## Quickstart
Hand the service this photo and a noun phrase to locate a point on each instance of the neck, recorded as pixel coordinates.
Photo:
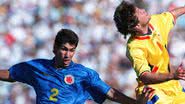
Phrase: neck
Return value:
(58, 65)
(143, 30)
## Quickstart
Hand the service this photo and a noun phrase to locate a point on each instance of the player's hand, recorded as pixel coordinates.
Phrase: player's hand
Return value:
(147, 93)
(179, 73)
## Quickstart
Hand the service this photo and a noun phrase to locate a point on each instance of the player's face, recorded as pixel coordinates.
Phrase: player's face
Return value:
(64, 54)
(142, 16)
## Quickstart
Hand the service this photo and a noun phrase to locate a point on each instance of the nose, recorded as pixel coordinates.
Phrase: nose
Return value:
(67, 54)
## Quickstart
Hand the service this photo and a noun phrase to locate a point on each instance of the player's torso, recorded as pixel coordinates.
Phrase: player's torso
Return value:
(64, 86)
(155, 50)
(157, 54)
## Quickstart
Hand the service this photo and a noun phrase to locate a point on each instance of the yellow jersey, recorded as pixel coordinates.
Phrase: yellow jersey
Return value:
(148, 52)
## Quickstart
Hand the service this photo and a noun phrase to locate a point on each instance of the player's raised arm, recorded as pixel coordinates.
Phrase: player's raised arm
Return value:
(178, 11)
(4, 75)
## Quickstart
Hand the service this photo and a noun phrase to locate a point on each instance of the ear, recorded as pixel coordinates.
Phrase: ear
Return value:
(137, 27)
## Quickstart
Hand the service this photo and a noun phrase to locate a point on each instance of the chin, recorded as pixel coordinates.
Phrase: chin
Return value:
(66, 64)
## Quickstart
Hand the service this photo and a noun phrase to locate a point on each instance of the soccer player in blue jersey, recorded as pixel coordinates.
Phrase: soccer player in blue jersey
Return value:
(62, 81)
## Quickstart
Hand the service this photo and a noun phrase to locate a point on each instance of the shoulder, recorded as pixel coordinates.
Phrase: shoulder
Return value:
(164, 14)
(82, 68)
(39, 61)
(137, 42)
(33, 62)
(158, 18)
(137, 47)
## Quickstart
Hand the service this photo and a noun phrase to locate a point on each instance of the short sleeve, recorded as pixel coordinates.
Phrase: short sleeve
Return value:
(168, 20)
(21, 72)
(163, 23)
(139, 61)
(98, 88)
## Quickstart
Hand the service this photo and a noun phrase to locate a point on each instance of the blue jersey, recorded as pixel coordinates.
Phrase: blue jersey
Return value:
(72, 85)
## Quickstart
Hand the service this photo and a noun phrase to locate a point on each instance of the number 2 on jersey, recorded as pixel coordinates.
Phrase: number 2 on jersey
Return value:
(54, 94)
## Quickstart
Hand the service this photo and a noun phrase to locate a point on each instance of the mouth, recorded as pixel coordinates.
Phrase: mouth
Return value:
(67, 60)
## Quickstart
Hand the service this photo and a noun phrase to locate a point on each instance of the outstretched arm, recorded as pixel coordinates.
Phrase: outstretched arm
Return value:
(4, 76)
(119, 97)
(178, 11)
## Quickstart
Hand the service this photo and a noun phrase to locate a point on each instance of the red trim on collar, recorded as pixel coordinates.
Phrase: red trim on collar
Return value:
(151, 27)
(145, 37)
(142, 37)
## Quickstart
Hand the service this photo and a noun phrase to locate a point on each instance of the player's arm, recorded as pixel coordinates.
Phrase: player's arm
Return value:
(178, 11)
(119, 97)
(143, 70)
(5, 76)
(153, 78)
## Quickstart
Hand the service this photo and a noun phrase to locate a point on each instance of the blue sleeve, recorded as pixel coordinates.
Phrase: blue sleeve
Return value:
(98, 88)
(21, 72)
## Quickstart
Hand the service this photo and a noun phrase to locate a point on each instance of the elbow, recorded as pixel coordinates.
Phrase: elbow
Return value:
(145, 81)
(144, 78)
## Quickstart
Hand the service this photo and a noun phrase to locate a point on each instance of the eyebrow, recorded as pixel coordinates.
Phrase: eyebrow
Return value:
(68, 48)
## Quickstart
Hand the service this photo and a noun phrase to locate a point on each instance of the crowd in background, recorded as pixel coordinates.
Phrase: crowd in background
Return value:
(28, 29)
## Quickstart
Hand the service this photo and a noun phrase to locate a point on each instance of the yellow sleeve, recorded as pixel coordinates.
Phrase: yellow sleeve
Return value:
(138, 58)
(163, 22)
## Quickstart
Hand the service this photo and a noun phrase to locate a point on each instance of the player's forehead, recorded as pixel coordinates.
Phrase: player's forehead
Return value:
(68, 46)
(138, 11)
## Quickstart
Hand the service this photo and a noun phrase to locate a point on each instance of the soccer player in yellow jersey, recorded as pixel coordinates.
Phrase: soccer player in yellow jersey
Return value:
(147, 50)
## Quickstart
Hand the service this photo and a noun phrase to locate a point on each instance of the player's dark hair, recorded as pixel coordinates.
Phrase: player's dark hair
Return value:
(66, 36)
(125, 19)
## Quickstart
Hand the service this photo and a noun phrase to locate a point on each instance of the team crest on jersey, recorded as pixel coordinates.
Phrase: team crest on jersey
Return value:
(69, 79)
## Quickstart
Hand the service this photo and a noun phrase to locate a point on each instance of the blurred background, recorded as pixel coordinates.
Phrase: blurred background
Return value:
(28, 28)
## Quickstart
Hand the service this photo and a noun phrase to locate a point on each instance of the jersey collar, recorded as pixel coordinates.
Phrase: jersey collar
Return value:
(147, 35)
(70, 65)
